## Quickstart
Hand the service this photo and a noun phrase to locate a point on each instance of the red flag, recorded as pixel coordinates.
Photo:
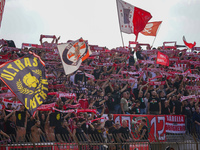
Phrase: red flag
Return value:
(132, 19)
(162, 59)
(2, 4)
(190, 45)
(151, 28)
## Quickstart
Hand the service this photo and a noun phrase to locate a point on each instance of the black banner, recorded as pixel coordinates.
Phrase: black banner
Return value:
(26, 78)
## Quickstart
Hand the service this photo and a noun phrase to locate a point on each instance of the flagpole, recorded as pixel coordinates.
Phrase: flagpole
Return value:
(155, 36)
(119, 24)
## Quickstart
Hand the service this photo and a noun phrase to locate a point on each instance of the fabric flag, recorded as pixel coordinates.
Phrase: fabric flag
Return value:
(190, 45)
(151, 28)
(25, 77)
(73, 54)
(162, 59)
(2, 4)
(132, 19)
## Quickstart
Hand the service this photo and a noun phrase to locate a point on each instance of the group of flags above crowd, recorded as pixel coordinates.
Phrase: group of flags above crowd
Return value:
(26, 78)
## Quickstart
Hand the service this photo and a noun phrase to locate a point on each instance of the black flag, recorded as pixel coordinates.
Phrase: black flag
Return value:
(26, 78)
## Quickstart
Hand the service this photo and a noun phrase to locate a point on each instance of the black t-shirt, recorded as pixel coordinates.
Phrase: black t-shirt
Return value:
(146, 135)
(55, 119)
(131, 61)
(171, 105)
(142, 103)
(192, 107)
(110, 103)
(135, 110)
(20, 118)
(154, 104)
(117, 97)
(109, 124)
(187, 110)
(80, 76)
(165, 110)
(162, 100)
(178, 105)
(125, 132)
(97, 73)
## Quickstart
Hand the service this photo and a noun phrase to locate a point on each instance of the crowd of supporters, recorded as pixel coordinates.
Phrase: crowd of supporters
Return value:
(118, 81)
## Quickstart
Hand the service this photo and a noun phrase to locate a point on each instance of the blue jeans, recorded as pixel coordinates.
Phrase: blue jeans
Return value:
(142, 110)
(117, 108)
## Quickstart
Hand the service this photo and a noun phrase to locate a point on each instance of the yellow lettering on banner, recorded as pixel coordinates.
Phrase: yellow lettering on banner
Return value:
(19, 64)
(38, 99)
(6, 76)
(11, 67)
(44, 88)
(33, 103)
(44, 81)
(26, 104)
(27, 62)
(10, 73)
(35, 64)
(43, 95)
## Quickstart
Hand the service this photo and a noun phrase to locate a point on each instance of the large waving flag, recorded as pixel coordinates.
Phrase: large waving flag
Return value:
(151, 28)
(132, 19)
(2, 4)
(162, 59)
(189, 45)
(25, 77)
(72, 54)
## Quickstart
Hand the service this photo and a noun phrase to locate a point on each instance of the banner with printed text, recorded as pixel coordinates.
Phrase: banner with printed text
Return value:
(175, 124)
(158, 125)
(26, 78)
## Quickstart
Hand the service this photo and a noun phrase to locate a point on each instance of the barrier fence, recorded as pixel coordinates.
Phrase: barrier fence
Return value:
(103, 142)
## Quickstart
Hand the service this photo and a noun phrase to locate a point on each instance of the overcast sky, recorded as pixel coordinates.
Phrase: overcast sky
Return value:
(96, 21)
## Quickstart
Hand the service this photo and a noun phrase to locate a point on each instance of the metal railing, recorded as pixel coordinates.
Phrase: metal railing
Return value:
(102, 142)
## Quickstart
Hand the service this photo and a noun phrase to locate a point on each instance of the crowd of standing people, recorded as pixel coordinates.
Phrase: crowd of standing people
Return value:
(118, 81)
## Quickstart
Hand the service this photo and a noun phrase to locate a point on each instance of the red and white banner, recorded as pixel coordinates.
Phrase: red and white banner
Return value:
(15, 104)
(157, 83)
(162, 59)
(175, 124)
(187, 97)
(89, 76)
(132, 19)
(2, 4)
(155, 125)
(158, 125)
(192, 87)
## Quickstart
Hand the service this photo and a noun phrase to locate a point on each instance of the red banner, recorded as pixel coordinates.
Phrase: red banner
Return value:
(157, 125)
(162, 59)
